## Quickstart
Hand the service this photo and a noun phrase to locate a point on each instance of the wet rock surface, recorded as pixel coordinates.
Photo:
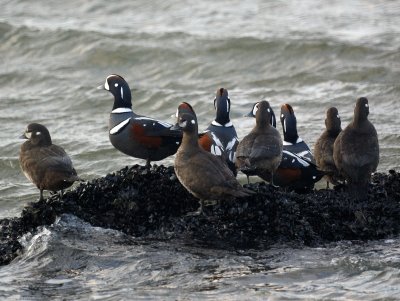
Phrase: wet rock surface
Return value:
(152, 203)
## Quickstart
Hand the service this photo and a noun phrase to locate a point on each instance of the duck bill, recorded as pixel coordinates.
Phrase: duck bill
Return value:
(101, 87)
(250, 114)
(175, 127)
(23, 136)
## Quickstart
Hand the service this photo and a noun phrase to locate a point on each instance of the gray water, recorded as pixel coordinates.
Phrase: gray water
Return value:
(311, 54)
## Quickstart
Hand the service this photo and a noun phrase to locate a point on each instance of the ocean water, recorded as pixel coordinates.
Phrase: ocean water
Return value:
(310, 54)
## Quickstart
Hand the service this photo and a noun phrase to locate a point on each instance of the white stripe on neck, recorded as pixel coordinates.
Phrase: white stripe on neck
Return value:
(121, 110)
(224, 125)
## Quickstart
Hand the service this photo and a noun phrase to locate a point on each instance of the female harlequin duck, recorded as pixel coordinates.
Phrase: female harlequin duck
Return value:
(204, 175)
(356, 151)
(294, 172)
(45, 164)
(253, 111)
(220, 137)
(323, 148)
(291, 140)
(136, 135)
(260, 152)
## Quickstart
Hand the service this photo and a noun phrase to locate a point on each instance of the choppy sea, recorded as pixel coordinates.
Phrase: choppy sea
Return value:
(311, 54)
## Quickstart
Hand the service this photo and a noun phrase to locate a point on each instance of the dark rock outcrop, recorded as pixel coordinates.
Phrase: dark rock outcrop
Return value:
(152, 203)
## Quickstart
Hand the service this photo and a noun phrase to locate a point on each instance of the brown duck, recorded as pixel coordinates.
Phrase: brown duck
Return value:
(204, 175)
(260, 152)
(356, 151)
(323, 148)
(46, 165)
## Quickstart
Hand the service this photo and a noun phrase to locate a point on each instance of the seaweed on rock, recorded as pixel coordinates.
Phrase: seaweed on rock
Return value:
(152, 203)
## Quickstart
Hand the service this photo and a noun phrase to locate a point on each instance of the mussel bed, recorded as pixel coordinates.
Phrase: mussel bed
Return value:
(151, 203)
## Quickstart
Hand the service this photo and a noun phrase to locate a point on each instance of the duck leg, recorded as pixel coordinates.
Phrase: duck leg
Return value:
(148, 165)
(41, 195)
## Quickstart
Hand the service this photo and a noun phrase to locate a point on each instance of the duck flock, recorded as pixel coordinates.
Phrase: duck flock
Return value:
(207, 163)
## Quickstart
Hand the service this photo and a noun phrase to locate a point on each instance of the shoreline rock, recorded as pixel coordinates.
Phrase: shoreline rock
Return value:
(152, 203)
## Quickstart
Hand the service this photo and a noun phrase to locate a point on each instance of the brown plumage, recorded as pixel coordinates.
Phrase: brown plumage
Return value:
(356, 151)
(260, 151)
(46, 165)
(204, 175)
(323, 148)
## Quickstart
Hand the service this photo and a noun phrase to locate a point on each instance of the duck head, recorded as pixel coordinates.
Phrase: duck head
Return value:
(119, 88)
(37, 134)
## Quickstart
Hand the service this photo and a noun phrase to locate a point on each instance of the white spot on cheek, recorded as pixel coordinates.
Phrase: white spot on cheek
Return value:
(193, 122)
(366, 105)
(116, 85)
(38, 133)
(282, 115)
(28, 135)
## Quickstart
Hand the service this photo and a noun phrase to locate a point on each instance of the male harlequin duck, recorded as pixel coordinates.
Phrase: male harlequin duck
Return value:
(45, 164)
(220, 137)
(204, 175)
(291, 140)
(260, 152)
(136, 135)
(323, 148)
(294, 173)
(356, 151)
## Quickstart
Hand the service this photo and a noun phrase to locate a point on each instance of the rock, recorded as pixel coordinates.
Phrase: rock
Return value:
(152, 203)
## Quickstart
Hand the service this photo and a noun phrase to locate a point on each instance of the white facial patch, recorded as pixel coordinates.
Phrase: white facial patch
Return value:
(255, 109)
(338, 116)
(268, 110)
(176, 114)
(122, 92)
(284, 125)
(106, 86)
(183, 124)
(227, 106)
(38, 133)
(193, 121)
(28, 135)
(366, 105)
(116, 85)
(282, 115)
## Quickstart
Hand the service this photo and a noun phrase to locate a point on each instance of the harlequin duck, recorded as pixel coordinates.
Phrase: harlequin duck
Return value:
(221, 134)
(260, 152)
(204, 175)
(136, 135)
(45, 164)
(356, 150)
(253, 111)
(323, 148)
(294, 173)
(291, 140)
